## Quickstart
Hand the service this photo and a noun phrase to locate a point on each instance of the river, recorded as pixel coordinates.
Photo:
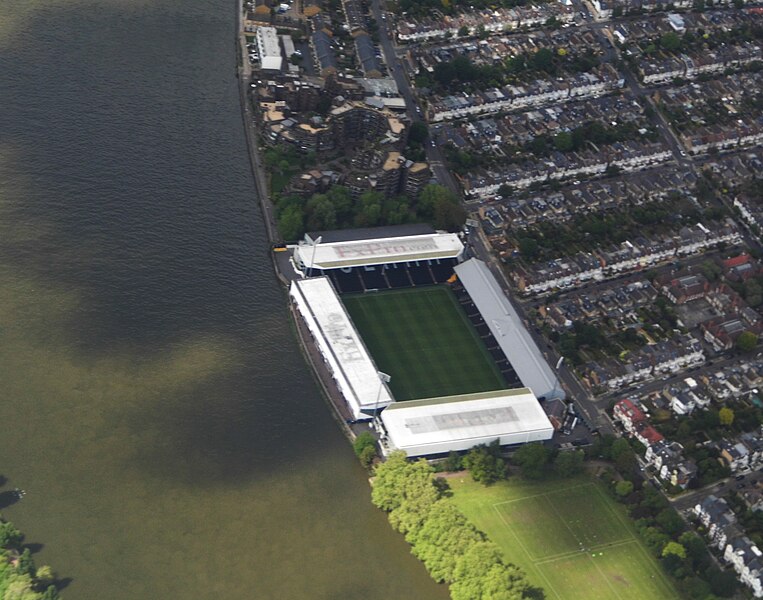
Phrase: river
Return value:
(153, 401)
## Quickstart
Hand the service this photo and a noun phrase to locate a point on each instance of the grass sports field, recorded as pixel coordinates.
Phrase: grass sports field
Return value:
(423, 339)
(571, 539)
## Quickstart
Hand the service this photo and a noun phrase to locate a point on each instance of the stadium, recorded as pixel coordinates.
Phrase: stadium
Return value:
(420, 338)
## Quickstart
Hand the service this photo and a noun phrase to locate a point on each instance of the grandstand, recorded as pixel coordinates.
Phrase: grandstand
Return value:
(362, 260)
(436, 426)
(344, 353)
(507, 329)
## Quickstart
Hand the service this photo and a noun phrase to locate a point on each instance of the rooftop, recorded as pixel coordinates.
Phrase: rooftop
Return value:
(466, 419)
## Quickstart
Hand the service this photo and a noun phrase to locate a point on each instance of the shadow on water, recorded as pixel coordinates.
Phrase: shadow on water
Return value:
(8, 498)
(154, 232)
(34, 547)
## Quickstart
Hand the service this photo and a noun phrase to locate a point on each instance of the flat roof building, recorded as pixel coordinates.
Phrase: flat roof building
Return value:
(348, 254)
(436, 426)
(508, 329)
(269, 49)
(343, 351)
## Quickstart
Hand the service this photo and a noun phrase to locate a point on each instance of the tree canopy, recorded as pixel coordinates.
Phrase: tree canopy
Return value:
(485, 464)
(532, 460)
(450, 547)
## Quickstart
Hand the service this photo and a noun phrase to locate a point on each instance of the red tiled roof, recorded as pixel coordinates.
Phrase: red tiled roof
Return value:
(730, 263)
(650, 434)
(627, 407)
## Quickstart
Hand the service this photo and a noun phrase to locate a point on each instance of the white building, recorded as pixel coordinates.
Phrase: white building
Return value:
(269, 49)
(343, 351)
(435, 426)
(346, 254)
(508, 329)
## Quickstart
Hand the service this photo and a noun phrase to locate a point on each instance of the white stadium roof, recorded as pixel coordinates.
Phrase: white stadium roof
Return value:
(507, 329)
(410, 248)
(439, 425)
(353, 368)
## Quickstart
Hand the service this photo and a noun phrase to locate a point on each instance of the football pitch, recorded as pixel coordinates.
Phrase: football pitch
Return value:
(423, 339)
(570, 538)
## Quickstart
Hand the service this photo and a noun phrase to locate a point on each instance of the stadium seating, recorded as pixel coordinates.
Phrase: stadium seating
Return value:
(373, 280)
(398, 277)
(346, 283)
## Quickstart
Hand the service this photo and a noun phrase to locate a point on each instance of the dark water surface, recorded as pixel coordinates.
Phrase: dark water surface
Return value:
(153, 402)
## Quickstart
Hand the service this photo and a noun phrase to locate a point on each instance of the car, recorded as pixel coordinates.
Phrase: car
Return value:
(741, 485)
(739, 477)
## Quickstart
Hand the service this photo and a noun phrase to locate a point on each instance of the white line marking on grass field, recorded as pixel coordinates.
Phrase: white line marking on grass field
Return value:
(642, 550)
(573, 553)
(604, 577)
(574, 487)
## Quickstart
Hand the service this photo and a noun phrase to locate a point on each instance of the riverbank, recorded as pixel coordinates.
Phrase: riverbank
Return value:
(310, 352)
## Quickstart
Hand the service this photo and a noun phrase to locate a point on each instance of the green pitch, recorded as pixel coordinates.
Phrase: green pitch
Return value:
(423, 339)
(570, 538)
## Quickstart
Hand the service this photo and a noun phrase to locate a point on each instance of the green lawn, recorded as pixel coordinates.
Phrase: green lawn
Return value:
(423, 339)
(571, 538)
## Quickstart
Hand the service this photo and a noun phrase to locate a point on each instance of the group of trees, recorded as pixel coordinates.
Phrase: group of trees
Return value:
(450, 547)
(592, 132)
(460, 71)
(549, 240)
(20, 578)
(425, 8)
(336, 209)
(536, 461)
(682, 554)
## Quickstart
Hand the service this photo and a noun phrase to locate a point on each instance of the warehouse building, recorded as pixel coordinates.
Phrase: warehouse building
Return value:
(435, 426)
(343, 351)
(269, 49)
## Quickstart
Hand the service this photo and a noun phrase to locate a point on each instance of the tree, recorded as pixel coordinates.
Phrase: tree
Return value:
(675, 549)
(505, 190)
(722, 583)
(563, 141)
(532, 460)
(438, 205)
(543, 60)
(670, 41)
(484, 463)
(444, 538)
(623, 488)
(10, 537)
(482, 574)
(365, 448)
(454, 462)
(291, 223)
(623, 455)
(418, 132)
(670, 521)
(51, 593)
(726, 416)
(569, 464)
(747, 341)
(25, 564)
(322, 214)
(406, 490)
(463, 31)
(44, 577)
(367, 456)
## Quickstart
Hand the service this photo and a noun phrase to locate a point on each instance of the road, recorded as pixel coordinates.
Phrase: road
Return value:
(434, 154)
(685, 501)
